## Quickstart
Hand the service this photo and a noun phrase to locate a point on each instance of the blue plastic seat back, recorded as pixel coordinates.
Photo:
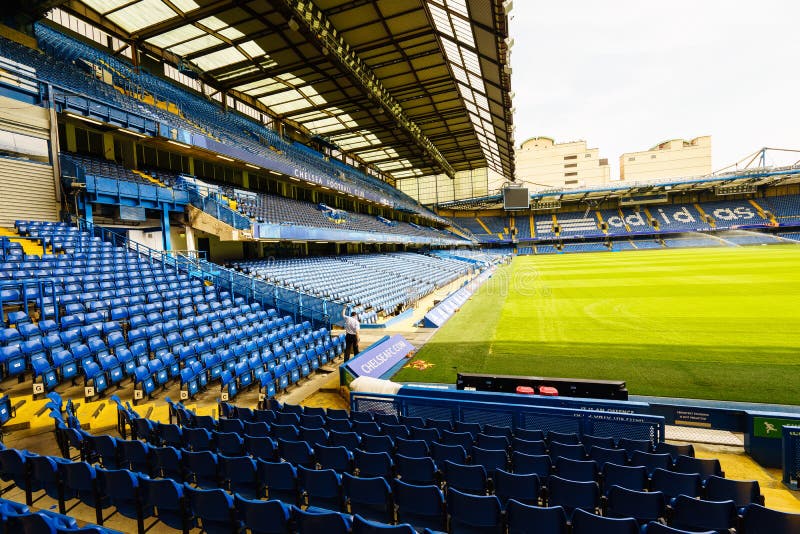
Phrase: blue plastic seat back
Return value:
(525, 488)
(644, 506)
(280, 480)
(442, 453)
(465, 478)
(370, 497)
(201, 467)
(166, 496)
(421, 471)
(520, 517)
(316, 520)
(362, 525)
(373, 464)
(214, 508)
(760, 520)
(422, 506)
(630, 477)
(572, 494)
(263, 517)
(587, 523)
(474, 514)
(672, 484)
(321, 487)
(696, 514)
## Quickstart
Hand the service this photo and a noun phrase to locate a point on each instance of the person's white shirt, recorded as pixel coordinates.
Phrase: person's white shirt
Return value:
(351, 325)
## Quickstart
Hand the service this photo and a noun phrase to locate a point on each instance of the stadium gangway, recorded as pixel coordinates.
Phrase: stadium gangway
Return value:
(593, 422)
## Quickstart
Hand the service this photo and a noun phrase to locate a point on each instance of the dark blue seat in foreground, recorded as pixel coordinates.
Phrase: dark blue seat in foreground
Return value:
(474, 514)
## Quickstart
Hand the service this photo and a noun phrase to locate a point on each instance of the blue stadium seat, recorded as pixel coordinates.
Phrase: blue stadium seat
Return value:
(364, 526)
(262, 517)
(571, 494)
(373, 464)
(538, 464)
(466, 478)
(587, 523)
(416, 470)
(629, 477)
(316, 520)
(642, 506)
(421, 506)
(473, 514)
(760, 520)
(238, 475)
(520, 517)
(213, 507)
(370, 497)
(695, 514)
(673, 484)
(320, 488)
(200, 468)
(524, 488)
(280, 480)
(583, 470)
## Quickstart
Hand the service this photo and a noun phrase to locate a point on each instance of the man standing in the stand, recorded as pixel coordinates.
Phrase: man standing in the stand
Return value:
(351, 327)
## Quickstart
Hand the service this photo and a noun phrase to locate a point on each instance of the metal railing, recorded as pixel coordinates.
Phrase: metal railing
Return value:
(568, 420)
(211, 204)
(23, 292)
(791, 456)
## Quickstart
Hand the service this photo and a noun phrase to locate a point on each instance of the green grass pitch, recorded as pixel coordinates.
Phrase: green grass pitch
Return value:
(697, 323)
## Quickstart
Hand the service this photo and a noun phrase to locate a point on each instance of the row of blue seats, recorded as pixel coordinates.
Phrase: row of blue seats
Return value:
(447, 432)
(104, 339)
(445, 464)
(139, 497)
(296, 484)
(423, 442)
(18, 518)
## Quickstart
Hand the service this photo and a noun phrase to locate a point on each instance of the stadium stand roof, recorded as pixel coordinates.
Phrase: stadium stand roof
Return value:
(743, 178)
(411, 88)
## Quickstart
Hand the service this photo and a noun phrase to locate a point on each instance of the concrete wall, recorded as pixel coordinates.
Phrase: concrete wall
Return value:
(543, 164)
(676, 158)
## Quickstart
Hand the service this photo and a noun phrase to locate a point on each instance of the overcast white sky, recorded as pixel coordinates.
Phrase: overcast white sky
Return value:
(627, 74)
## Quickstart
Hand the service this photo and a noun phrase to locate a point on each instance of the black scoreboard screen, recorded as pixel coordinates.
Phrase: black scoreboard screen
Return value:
(516, 198)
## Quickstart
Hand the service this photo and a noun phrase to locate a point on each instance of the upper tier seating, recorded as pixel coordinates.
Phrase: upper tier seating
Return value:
(63, 65)
(110, 169)
(273, 209)
(380, 281)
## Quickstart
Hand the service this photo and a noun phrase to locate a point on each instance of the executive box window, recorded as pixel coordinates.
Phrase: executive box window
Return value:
(23, 146)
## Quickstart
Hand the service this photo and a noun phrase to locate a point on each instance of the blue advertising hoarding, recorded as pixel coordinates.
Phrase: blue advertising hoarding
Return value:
(381, 358)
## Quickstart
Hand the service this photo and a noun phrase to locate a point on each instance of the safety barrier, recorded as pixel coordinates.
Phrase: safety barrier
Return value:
(592, 422)
(791, 456)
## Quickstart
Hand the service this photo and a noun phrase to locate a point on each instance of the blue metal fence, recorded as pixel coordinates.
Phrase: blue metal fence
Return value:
(592, 422)
(215, 207)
